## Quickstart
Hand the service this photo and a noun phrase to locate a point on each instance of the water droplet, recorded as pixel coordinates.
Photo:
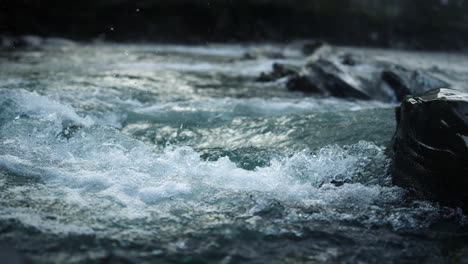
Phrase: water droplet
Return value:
(111, 28)
(126, 52)
(138, 9)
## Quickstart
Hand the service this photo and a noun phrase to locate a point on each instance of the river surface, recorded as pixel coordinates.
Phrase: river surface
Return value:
(114, 153)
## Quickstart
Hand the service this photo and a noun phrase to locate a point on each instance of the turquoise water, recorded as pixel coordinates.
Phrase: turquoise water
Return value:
(174, 154)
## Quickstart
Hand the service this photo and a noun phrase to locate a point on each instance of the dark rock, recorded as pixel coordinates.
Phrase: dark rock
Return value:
(404, 81)
(284, 70)
(335, 81)
(325, 77)
(279, 71)
(302, 83)
(330, 72)
(249, 56)
(430, 147)
(339, 183)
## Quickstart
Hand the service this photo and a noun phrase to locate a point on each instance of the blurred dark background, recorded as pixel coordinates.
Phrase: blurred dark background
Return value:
(415, 24)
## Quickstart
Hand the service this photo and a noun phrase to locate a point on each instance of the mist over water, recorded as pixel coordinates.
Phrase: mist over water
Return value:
(128, 152)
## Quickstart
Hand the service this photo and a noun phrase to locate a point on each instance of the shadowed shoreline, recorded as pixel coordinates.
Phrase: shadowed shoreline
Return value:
(432, 24)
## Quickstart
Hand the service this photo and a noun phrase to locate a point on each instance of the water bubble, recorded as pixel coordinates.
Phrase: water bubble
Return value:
(111, 28)
(126, 52)
(138, 9)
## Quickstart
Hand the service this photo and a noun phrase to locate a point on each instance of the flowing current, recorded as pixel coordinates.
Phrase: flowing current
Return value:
(173, 154)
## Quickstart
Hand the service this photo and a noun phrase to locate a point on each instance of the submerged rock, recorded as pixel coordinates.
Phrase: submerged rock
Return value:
(430, 147)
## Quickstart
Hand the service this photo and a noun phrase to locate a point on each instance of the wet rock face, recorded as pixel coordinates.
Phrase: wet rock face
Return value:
(430, 147)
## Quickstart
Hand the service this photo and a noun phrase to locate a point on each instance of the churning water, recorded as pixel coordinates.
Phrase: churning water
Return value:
(173, 154)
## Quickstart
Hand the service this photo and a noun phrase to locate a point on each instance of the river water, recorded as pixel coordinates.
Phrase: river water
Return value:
(116, 153)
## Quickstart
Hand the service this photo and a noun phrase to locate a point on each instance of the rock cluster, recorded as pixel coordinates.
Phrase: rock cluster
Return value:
(330, 73)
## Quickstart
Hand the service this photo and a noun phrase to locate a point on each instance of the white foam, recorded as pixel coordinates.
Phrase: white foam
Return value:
(33, 104)
(103, 161)
(109, 164)
(98, 167)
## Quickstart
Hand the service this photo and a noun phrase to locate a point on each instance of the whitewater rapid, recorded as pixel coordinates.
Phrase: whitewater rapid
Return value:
(140, 150)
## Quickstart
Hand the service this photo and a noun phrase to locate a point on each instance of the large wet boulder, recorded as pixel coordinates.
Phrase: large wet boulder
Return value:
(430, 147)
